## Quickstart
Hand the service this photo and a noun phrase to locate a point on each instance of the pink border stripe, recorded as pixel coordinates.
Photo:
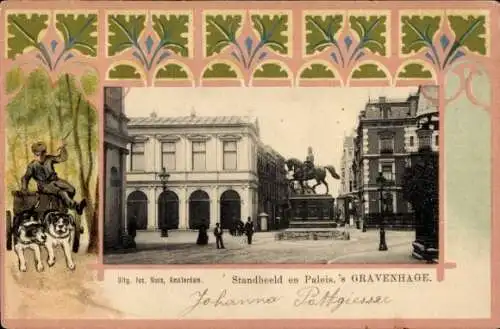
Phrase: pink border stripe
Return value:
(198, 63)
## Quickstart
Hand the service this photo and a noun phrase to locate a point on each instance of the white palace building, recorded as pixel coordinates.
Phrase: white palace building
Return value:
(212, 167)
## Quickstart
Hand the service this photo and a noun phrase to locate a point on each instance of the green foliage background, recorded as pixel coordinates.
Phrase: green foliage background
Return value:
(45, 110)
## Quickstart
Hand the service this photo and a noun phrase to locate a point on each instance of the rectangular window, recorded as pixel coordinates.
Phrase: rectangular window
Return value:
(386, 145)
(137, 158)
(168, 155)
(199, 156)
(437, 140)
(387, 171)
(230, 155)
(412, 140)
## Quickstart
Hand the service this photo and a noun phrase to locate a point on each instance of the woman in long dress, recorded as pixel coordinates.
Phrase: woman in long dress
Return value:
(202, 235)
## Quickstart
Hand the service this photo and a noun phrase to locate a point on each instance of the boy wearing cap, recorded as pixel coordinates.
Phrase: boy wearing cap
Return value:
(41, 169)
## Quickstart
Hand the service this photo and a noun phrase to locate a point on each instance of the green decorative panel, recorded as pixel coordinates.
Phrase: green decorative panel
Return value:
(172, 71)
(368, 71)
(270, 71)
(317, 71)
(415, 71)
(220, 71)
(124, 71)
(24, 32)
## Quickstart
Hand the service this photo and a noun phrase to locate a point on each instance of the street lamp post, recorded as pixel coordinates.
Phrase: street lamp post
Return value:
(382, 243)
(164, 176)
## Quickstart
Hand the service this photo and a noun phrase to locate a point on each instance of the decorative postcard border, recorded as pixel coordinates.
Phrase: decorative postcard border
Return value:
(252, 44)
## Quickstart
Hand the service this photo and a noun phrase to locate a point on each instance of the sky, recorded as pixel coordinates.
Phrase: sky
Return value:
(290, 119)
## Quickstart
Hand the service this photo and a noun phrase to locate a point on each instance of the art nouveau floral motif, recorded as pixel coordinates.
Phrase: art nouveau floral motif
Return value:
(369, 35)
(78, 37)
(441, 39)
(151, 49)
(247, 45)
(347, 40)
(264, 36)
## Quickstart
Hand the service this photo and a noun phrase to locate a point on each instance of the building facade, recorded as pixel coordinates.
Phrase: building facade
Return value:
(346, 190)
(272, 191)
(385, 138)
(116, 142)
(212, 165)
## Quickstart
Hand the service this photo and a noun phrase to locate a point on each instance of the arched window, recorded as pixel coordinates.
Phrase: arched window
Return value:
(168, 210)
(230, 208)
(137, 209)
(199, 209)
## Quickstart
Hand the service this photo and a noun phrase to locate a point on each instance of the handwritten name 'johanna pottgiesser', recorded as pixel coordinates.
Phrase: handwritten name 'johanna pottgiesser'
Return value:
(312, 296)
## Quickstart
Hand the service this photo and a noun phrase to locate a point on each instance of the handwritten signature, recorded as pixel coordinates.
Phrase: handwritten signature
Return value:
(333, 299)
(202, 298)
(310, 296)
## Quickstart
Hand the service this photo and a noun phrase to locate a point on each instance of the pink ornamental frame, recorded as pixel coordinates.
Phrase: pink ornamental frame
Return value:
(365, 46)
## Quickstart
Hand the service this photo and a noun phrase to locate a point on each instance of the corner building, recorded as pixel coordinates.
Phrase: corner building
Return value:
(273, 186)
(212, 163)
(116, 142)
(385, 138)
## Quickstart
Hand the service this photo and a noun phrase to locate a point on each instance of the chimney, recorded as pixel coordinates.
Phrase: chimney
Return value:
(193, 112)
(382, 99)
(153, 114)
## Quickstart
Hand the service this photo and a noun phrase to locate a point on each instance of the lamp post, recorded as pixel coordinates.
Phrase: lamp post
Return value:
(164, 176)
(382, 243)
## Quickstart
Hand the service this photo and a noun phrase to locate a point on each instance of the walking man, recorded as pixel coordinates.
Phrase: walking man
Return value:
(249, 230)
(218, 236)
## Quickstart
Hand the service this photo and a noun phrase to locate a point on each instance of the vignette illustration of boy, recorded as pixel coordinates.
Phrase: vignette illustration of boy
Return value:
(42, 171)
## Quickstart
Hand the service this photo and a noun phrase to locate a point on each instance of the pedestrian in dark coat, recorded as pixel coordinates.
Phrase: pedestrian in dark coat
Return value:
(249, 230)
(202, 235)
(132, 227)
(218, 237)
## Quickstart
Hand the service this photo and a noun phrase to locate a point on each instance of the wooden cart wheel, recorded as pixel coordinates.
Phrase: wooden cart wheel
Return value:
(8, 223)
(76, 241)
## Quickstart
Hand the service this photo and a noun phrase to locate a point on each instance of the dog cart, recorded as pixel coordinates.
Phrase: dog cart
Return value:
(38, 205)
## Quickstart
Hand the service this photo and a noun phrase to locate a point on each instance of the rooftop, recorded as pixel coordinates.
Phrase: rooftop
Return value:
(383, 99)
(192, 120)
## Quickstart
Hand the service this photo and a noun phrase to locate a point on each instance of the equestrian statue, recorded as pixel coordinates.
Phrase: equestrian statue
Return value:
(305, 171)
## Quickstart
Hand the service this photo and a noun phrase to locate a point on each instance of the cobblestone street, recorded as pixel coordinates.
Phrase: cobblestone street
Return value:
(180, 248)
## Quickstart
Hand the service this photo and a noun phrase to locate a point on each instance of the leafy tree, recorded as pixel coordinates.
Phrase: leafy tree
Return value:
(52, 112)
(421, 190)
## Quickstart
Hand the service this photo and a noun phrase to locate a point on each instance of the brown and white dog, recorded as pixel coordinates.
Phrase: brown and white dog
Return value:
(30, 234)
(60, 229)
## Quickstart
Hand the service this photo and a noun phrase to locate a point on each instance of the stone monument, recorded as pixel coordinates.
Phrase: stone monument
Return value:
(312, 214)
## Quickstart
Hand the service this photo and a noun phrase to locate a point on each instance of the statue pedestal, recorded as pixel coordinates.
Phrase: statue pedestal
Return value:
(312, 219)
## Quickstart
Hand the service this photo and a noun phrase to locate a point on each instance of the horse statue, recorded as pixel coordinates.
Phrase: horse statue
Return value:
(302, 174)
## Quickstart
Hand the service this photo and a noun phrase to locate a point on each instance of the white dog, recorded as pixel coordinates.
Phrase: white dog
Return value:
(60, 229)
(29, 235)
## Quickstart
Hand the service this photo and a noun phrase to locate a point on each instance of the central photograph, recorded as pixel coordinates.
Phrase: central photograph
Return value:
(229, 175)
